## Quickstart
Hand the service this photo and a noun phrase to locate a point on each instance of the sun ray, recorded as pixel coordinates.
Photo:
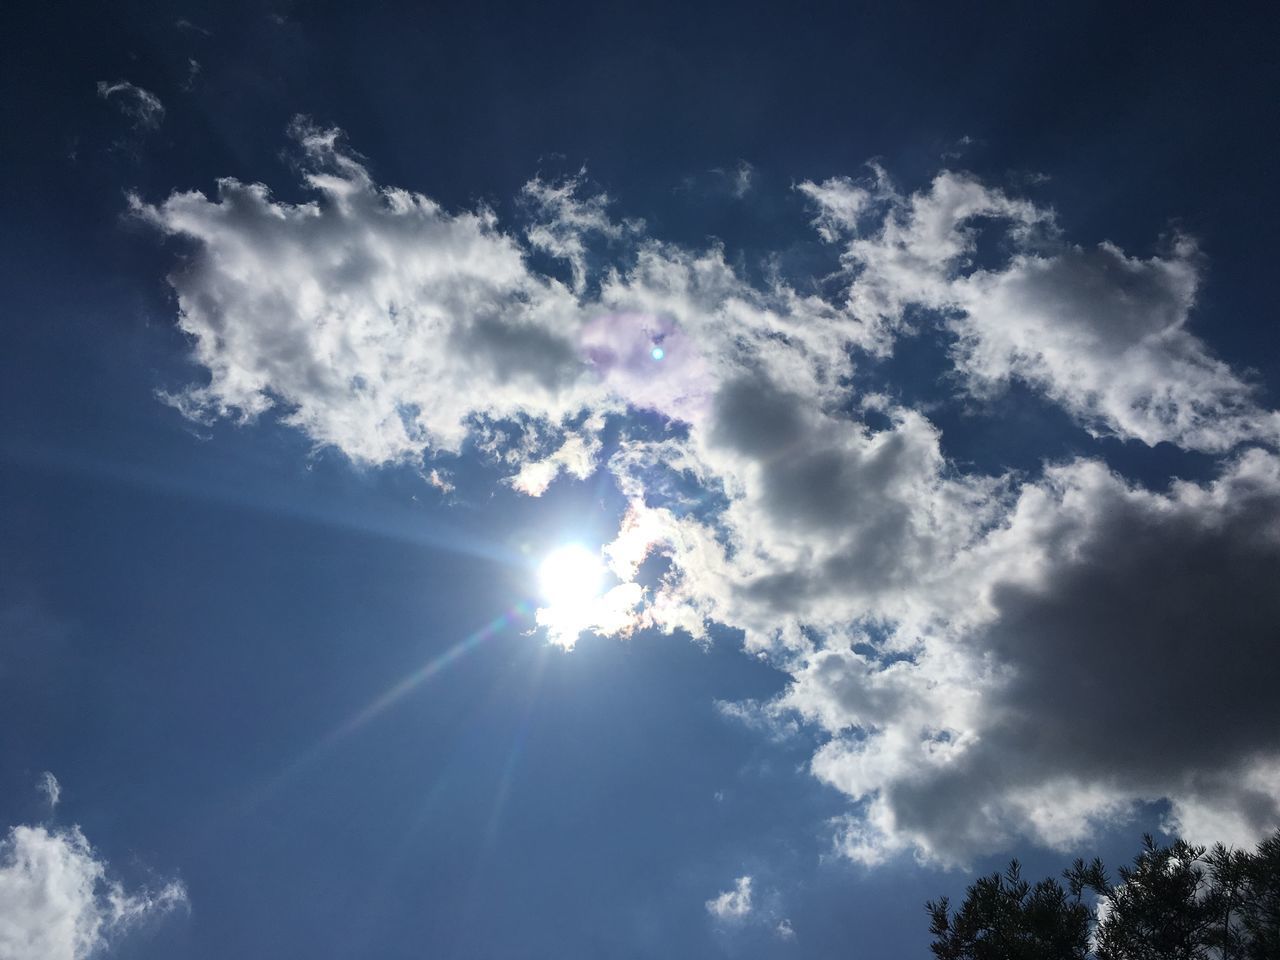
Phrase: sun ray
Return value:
(397, 692)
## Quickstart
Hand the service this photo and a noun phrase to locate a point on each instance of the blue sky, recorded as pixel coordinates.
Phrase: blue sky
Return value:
(943, 530)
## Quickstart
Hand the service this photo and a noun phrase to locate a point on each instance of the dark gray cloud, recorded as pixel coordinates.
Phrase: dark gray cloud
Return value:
(1134, 658)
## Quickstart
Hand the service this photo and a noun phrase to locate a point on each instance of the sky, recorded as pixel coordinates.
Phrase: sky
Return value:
(616, 480)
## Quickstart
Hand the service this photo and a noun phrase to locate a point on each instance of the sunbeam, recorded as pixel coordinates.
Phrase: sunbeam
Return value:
(393, 695)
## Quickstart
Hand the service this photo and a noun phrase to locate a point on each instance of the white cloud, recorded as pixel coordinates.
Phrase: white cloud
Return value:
(57, 902)
(1099, 332)
(841, 203)
(734, 904)
(990, 656)
(1104, 335)
(784, 930)
(49, 786)
(141, 106)
(441, 480)
(386, 327)
(565, 219)
(577, 456)
(611, 614)
(374, 320)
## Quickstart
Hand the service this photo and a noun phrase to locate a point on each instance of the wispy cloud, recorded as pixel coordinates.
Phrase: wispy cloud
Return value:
(49, 786)
(564, 219)
(193, 73)
(182, 23)
(141, 106)
(741, 179)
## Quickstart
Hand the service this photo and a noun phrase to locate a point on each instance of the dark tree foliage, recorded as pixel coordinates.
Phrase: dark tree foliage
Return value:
(1260, 910)
(1005, 918)
(1167, 905)
(1175, 902)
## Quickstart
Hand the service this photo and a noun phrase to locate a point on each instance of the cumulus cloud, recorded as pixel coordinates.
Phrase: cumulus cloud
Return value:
(988, 655)
(1121, 649)
(57, 901)
(141, 106)
(734, 904)
(376, 321)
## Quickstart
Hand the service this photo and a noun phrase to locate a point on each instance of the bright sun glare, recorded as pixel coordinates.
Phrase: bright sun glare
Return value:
(570, 578)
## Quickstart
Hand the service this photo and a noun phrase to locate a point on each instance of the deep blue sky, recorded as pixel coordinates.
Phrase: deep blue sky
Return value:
(188, 611)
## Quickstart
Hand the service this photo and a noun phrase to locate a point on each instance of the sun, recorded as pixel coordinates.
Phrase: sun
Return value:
(570, 579)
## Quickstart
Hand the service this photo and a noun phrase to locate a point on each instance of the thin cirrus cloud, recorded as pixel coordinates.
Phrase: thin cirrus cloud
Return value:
(141, 106)
(1007, 639)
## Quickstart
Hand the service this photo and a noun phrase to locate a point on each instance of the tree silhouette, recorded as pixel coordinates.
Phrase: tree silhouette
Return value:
(1167, 906)
(1175, 902)
(1005, 918)
(1260, 911)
